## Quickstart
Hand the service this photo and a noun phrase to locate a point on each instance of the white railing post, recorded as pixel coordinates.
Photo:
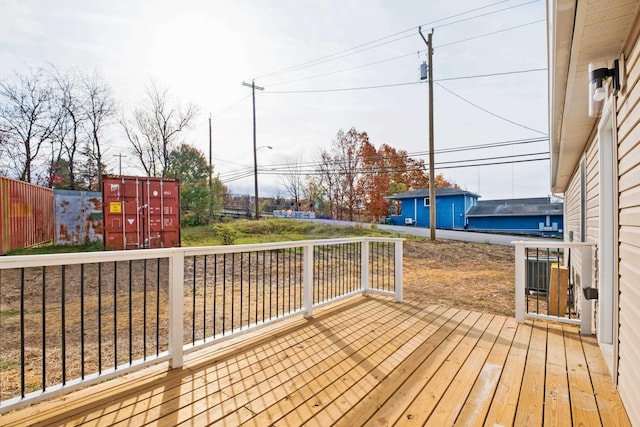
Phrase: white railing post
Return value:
(176, 307)
(520, 281)
(398, 271)
(586, 278)
(364, 266)
(307, 282)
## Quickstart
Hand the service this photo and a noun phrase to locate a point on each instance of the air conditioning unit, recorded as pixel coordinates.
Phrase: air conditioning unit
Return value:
(538, 273)
(408, 221)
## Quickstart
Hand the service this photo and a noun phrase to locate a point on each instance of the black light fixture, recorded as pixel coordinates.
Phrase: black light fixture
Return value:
(597, 88)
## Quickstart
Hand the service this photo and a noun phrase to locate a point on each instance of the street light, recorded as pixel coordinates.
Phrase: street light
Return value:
(255, 176)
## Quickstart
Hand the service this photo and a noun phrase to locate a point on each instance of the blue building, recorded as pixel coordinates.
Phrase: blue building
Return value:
(451, 207)
(539, 216)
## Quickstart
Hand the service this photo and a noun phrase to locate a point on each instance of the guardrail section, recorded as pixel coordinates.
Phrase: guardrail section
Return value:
(71, 320)
(551, 278)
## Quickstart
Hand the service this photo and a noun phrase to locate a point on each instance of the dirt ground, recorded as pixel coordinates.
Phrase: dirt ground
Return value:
(473, 276)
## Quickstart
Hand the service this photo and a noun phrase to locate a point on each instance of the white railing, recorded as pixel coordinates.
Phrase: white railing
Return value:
(550, 280)
(72, 320)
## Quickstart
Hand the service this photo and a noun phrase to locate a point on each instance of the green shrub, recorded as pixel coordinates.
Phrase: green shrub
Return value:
(227, 234)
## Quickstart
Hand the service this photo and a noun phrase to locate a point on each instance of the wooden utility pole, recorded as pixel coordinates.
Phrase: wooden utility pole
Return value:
(432, 176)
(210, 171)
(120, 156)
(255, 149)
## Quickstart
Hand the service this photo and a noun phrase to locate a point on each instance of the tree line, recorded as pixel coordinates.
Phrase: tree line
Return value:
(352, 178)
(55, 127)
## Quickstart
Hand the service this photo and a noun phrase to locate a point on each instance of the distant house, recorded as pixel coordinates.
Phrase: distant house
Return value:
(517, 216)
(451, 206)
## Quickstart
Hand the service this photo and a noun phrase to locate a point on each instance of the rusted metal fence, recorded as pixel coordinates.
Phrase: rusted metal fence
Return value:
(26, 215)
(78, 217)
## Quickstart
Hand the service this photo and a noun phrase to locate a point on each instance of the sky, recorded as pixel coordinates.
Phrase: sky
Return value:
(324, 65)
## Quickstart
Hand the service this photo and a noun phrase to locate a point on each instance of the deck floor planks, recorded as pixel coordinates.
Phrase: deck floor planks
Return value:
(477, 405)
(610, 407)
(169, 394)
(427, 399)
(557, 405)
(278, 388)
(457, 393)
(531, 403)
(584, 409)
(403, 395)
(390, 355)
(505, 401)
(221, 374)
(295, 366)
(334, 381)
(389, 374)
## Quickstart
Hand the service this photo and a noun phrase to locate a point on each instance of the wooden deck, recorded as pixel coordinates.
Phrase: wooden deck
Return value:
(366, 361)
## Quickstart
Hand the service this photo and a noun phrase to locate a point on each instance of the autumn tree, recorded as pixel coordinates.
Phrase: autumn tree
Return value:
(374, 183)
(156, 127)
(340, 167)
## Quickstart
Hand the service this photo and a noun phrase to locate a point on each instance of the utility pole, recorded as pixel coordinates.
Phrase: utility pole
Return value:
(210, 171)
(255, 150)
(432, 177)
(120, 162)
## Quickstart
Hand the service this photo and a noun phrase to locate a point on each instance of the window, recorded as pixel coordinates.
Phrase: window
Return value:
(426, 201)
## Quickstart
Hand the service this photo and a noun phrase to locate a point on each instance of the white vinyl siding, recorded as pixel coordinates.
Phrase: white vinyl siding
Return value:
(572, 209)
(593, 193)
(629, 237)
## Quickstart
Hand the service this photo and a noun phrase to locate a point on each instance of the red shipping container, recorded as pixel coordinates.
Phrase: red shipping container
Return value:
(26, 215)
(140, 212)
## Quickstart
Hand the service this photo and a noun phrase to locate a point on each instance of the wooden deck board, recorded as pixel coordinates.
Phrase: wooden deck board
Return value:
(477, 405)
(364, 361)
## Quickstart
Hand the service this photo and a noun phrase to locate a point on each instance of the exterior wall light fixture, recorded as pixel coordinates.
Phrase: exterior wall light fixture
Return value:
(598, 90)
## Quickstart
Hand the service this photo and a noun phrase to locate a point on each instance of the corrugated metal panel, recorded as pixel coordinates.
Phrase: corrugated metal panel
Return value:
(26, 215)
(78, 217)
(141, 212)
(629, 240)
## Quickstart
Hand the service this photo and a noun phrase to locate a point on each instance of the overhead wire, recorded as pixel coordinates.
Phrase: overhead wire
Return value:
(366, 46)
(310, 168)
(489, 112)
(346, 89)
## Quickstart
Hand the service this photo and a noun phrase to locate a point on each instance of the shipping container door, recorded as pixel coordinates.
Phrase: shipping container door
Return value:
(121, 213)
(161, 214)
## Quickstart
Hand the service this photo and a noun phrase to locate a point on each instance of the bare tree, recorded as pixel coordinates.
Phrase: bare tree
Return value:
(26, 120)
(155, 129)
(99, 109)
(292, 181)
(326, 182)
(69, 131)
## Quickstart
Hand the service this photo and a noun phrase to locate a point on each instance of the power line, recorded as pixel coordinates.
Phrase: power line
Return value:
(530, 70)
(227, 108)
(407, 83)
(348, 69)
(346, 89)
(491, 33)
(366, 46)
(490, 112)
(418, 52)
(407, 154)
